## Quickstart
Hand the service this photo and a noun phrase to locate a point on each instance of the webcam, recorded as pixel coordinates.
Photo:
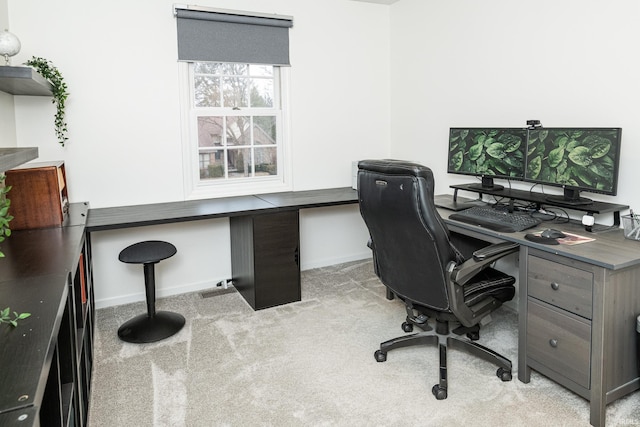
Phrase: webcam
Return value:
(534, 124)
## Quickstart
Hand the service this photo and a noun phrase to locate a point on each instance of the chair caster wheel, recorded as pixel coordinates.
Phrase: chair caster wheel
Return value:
(439, 392)
(380, 356)
(407, 327)
(503, 374)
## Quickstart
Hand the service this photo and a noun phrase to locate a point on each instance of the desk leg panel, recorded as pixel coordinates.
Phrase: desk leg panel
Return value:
(265, 258)
(524, 371)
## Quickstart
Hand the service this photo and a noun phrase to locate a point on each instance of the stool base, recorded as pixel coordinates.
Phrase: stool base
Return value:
(145, 329)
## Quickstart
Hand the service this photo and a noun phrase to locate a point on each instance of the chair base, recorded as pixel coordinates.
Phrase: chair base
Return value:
(441, 338)
(146, 329)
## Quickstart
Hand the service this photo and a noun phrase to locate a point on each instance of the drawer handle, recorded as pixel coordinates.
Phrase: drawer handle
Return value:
(555, 286)
(553, 342)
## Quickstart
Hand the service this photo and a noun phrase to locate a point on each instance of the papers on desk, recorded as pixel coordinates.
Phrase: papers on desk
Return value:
(570, 239)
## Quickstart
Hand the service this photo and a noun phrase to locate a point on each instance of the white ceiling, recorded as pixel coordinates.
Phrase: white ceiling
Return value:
(379, 1)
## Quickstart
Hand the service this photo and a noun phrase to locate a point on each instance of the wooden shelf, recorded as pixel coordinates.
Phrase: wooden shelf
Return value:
(23, 81)
(12, 157)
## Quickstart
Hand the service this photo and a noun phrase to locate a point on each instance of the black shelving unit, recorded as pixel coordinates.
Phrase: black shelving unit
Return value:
(46, 361)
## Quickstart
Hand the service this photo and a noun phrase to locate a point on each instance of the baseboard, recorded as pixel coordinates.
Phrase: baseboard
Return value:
(318, 263)
(160, 293)
(196, 287)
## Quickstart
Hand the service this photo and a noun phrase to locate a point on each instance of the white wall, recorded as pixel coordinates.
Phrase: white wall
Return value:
(502, 62)
(119, 61)
(7, 116)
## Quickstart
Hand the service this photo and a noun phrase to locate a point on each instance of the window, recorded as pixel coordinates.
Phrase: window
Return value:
(235, 135)
(234, 107)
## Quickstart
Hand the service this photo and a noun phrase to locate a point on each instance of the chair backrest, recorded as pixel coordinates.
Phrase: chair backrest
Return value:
(409, 239)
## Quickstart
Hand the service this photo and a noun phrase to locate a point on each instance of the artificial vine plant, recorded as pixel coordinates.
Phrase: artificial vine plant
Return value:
(5, 231)
(52, 74)
(6, 318)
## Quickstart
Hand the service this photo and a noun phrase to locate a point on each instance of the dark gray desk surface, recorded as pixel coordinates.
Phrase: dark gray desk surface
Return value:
(193, 210)
(610, 249)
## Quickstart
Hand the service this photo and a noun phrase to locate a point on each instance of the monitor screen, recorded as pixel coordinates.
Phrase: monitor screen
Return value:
(488, 153)
(576, 159)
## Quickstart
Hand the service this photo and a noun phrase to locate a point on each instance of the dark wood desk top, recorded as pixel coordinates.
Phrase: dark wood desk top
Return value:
(312, 198)
(27, 350)
(193, 210)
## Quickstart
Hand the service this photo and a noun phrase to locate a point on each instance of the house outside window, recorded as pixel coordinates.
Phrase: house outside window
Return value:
(235, 133)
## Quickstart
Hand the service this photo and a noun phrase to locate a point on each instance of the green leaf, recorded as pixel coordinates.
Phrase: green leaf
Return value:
(511, 142)
(580, 156)
(535, 165)
(496, 150)
(562, 142)
(22, 316)
(456, 161)
(584, 175)
(500, 166)
(475, 151)
(555, 156)
(600, 148)
(543, 134)
(572, 144)
(601, 171)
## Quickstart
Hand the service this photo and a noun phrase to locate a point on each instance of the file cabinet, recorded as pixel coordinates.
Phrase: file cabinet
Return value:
(576, 326)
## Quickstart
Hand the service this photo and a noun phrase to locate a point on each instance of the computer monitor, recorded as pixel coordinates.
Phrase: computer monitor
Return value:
(576, 159)
(488, 153)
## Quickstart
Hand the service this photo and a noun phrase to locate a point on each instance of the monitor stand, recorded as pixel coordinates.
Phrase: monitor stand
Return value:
(487, 184)
(455, 202)
(571, 197)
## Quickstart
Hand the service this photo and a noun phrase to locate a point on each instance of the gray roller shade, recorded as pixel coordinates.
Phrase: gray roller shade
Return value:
(230, 37)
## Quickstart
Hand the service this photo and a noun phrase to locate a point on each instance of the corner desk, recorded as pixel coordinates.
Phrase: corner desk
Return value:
(577, 309)
(577, 306)
(265, 241)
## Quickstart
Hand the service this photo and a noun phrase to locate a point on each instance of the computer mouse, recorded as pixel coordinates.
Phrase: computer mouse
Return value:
(552, 233)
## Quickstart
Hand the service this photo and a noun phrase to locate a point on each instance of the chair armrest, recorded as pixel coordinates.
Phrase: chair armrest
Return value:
(481, 258)
(498, 249)
(459, 275)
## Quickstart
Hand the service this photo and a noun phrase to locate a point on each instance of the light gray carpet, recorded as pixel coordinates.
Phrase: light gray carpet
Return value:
(311, 363)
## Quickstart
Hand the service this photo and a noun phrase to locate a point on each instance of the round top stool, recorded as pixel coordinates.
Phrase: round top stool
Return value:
(154, 325)
(151, 251)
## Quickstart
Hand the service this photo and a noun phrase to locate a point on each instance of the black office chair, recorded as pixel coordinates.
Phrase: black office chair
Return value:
(414, 257)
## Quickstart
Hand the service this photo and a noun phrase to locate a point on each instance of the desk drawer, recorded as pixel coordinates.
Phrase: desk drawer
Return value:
(561, 285)
(559, 341)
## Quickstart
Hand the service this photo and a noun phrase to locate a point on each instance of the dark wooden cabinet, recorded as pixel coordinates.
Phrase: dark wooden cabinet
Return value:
(46, 362)
(265, 253)
(38, 195)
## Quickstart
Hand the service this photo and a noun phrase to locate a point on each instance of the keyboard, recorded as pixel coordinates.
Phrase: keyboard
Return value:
(496, 219)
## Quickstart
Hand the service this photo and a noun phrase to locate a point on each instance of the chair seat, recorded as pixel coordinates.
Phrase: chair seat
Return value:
(149, 251)
(490, 283)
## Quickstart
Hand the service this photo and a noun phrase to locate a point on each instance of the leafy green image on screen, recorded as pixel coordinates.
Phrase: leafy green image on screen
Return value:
(487, 152)
(585, 159)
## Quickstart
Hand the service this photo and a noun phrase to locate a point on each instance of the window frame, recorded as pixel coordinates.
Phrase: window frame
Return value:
(194, 187)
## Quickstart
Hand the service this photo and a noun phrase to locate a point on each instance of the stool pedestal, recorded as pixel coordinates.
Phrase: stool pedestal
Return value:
(152, 326)
(145, 329)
